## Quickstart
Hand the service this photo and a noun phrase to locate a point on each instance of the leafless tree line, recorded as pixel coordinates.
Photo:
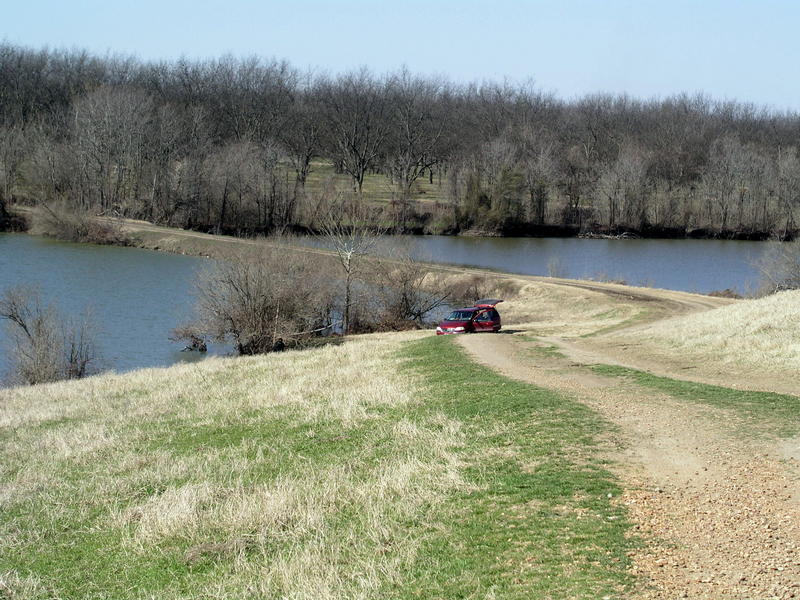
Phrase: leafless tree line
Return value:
(229, 145)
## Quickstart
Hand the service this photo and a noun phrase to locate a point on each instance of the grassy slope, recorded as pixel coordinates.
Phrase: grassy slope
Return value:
(368, 470)
(763, 333)
(535, 520)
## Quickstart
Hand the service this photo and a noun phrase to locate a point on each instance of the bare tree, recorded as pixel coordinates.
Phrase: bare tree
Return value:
(109, 128)
(723, 179)
(788, 187)
(540, 172)
(303, 138)
(5, 218)
(250, 97)
(44, 346)
(55, 173)
(622, 189)
(406, 291)
(118, 134)
(245, 188)
(255, 299)
(417, 121)
(350, 231)
(355, 107)
(780, 268)
(12, 154)
(159, 199)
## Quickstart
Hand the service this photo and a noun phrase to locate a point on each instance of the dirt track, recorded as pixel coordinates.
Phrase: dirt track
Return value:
(720, 511)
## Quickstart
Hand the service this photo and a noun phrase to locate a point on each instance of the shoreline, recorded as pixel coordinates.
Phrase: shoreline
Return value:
(534, 232)
(148, 236)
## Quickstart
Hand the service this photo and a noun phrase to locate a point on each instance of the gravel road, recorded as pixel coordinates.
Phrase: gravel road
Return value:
(718, 508)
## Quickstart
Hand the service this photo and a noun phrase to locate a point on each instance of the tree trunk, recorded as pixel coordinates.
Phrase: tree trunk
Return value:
(347, 300)
(221, 221)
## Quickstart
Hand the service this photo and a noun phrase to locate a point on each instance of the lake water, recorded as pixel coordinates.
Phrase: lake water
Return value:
(137, 297)
(689, 265)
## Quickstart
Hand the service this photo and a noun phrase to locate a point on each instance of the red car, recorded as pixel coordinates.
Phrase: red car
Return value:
(481, 317)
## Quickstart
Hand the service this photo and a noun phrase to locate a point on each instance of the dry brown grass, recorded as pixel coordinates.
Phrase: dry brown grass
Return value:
(762, 333)
(311, 381)
(13, 586)
(319, 528)
(73, 225)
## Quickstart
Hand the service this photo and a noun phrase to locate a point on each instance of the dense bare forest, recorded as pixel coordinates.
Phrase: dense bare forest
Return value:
(252, 145)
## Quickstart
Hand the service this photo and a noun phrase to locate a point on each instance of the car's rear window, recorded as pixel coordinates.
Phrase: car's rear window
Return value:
(460, 315)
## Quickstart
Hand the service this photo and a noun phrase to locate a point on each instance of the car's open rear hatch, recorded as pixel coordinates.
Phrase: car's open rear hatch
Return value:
(487, 302)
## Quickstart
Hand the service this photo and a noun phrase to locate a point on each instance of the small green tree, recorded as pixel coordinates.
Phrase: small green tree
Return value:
(476, 203)
(507, 200)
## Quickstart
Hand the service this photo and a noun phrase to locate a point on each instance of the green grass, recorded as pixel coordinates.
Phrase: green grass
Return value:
(226, 479)
(540, 348)
(536, 520)
(545, 350)
(767, 411)
(377, 188)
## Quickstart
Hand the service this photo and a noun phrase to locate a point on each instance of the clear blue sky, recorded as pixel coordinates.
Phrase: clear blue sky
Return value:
(730, 49)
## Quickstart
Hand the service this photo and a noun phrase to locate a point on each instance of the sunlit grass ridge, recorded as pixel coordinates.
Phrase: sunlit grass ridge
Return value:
(763, 332)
